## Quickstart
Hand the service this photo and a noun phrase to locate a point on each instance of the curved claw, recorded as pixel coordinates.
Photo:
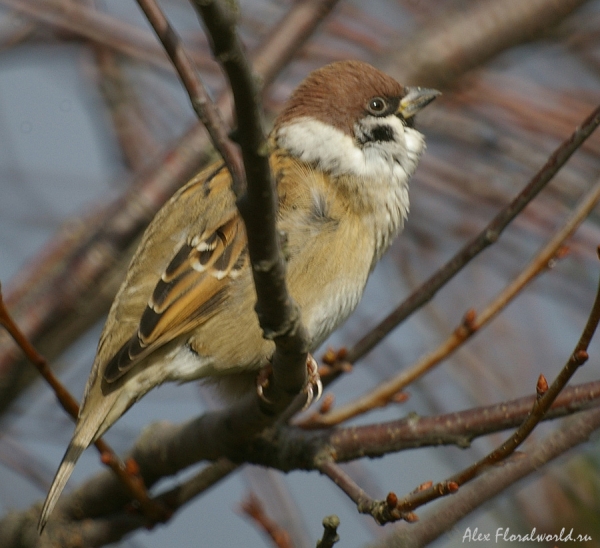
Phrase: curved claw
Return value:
(262, 381)
(314, 380)
(261, 394)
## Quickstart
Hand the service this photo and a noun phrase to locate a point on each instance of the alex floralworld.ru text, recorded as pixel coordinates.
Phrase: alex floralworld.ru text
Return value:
(504, 535)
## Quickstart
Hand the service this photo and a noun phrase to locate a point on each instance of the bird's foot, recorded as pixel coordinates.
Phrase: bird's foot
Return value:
(314, 381)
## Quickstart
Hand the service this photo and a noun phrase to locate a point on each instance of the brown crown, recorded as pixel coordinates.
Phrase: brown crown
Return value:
(337, 94)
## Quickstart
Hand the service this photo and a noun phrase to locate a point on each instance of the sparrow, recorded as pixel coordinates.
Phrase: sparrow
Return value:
(342, 152)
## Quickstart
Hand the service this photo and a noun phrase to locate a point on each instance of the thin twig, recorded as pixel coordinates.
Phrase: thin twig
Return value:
(202, 104)
(131, 481)
(334, 472)
(253, 508)
(448, 513)
(472, 323)
(66, 400)
(330, 535)
(393, 509)
(382, 511)
(540, 407)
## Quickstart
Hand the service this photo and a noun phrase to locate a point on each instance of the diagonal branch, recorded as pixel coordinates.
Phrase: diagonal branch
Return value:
(448, 513)
(471, 324)
(131, 481)
(540, 407)
(202, 104)
(486, 237)
(392, 509)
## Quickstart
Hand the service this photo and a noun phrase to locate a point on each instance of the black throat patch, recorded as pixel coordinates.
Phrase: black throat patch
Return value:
(380, 133)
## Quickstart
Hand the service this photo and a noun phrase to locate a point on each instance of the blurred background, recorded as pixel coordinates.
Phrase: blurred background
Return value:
(96, 131)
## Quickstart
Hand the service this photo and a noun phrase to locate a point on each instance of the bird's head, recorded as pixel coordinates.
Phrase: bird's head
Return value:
(349, 118)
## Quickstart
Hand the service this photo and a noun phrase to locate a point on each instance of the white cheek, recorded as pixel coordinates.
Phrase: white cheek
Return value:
(405, 149)
(334, 151)
(379, 170)
(415, 143)
(314, 142)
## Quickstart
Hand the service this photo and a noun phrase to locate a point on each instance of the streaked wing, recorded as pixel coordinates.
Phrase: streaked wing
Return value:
(189, 292)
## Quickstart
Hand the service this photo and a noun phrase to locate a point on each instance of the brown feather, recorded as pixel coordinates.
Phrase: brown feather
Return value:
(187, 294)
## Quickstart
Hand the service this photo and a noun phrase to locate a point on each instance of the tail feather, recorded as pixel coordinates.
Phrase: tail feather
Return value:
(60, 480)
(90, 427)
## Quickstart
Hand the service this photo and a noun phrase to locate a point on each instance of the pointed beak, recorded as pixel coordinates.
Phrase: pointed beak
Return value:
(415, 100)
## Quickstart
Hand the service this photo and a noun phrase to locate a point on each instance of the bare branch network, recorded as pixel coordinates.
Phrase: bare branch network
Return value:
(63, 291)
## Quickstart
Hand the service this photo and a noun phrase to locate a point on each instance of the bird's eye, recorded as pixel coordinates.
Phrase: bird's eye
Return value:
(377, 105)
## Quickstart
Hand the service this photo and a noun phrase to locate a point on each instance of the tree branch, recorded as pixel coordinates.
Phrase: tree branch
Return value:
(202, 104)
(540, 406)
(278, 314)
(164, 450)
(493, 481)
(471, 324)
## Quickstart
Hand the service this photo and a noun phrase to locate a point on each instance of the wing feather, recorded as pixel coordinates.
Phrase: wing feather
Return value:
(192, 287)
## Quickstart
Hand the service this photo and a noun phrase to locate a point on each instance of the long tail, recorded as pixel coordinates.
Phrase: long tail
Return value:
(58, 484)
(89, 428)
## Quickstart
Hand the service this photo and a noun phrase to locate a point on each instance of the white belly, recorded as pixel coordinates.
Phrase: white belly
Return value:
(331, 311)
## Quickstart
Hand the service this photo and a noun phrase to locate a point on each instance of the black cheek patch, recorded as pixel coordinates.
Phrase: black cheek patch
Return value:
(382, 133)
